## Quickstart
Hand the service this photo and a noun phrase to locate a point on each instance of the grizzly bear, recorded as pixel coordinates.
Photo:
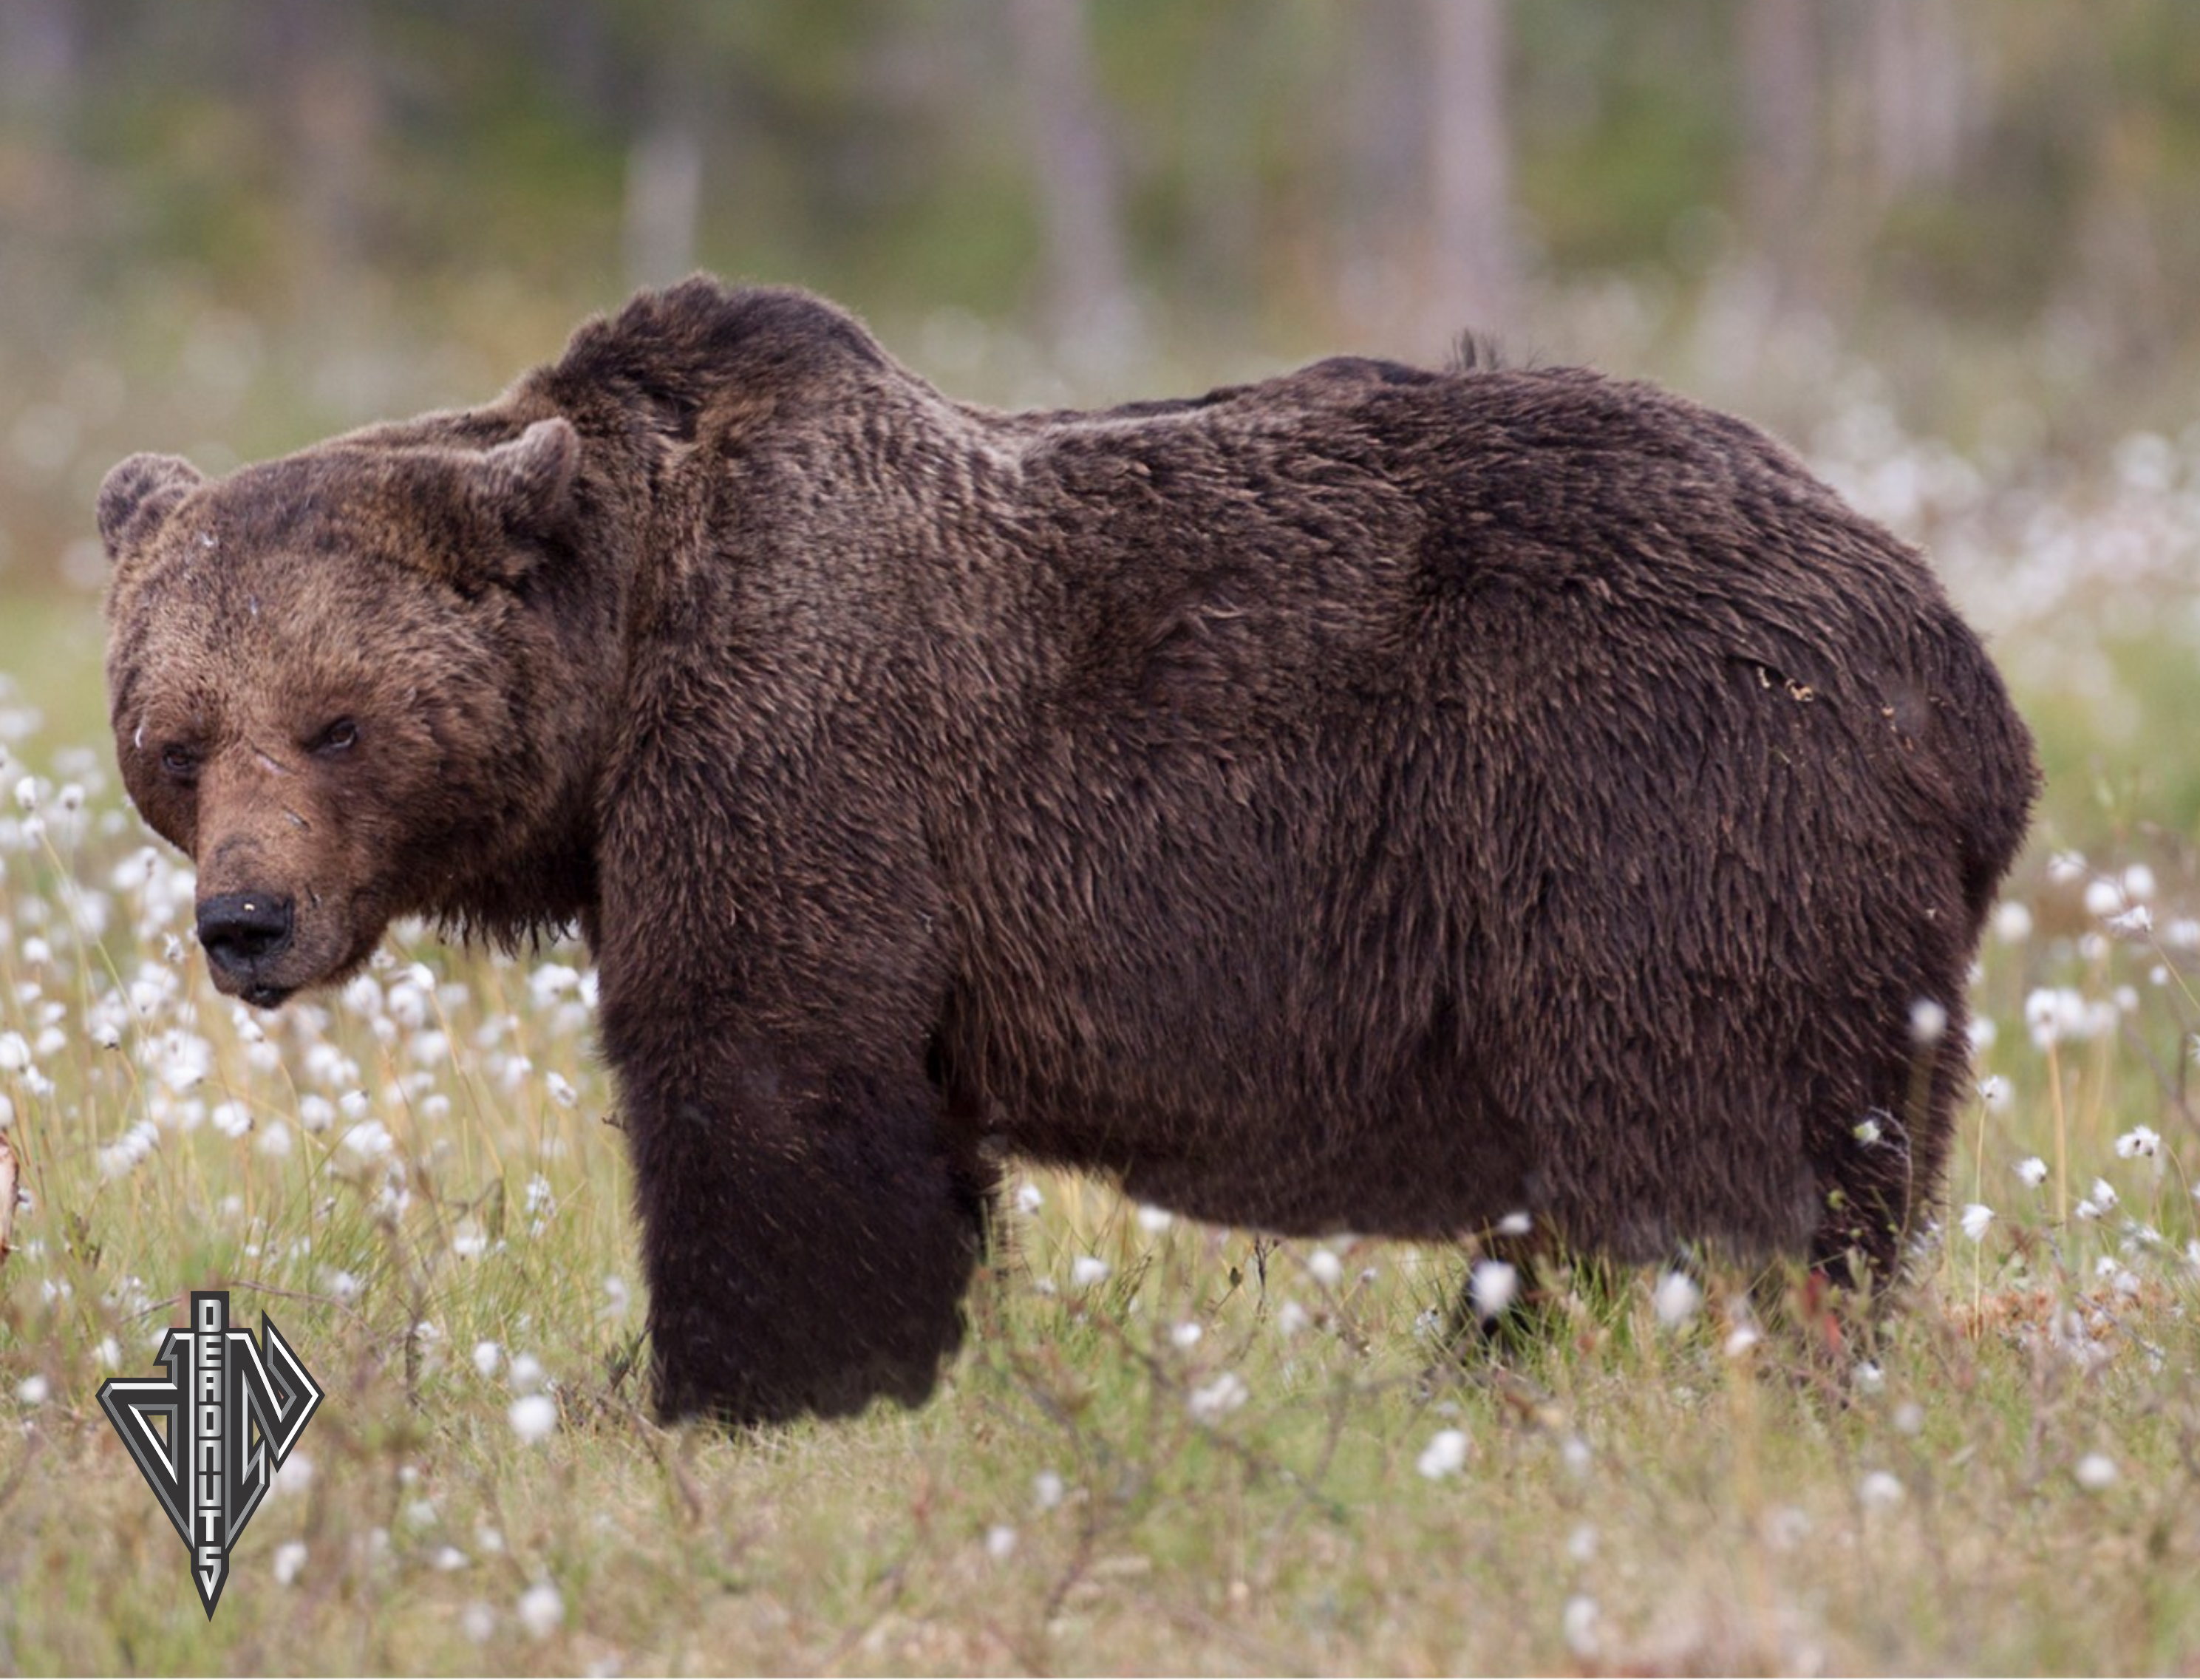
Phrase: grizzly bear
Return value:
(1373, 799)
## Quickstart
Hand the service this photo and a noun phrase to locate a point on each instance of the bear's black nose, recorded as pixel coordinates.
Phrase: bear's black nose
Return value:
(238, 929)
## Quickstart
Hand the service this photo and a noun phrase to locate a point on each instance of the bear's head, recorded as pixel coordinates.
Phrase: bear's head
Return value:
(330, 685)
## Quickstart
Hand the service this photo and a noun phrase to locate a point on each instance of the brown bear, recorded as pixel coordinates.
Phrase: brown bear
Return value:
(1372, 800)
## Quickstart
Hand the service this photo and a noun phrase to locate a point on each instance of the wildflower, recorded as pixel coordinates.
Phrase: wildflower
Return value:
(561, 1091)
(2104, 897)
(2138, 919)
(1185, 1336)
(1675, 1299)
(2095, 1472)
(1215, 1400)
(232, 1119)
(275, 1141)
(290, 1561)
(2031, 1171)
(2065, 867)
(2138, 882)
(1977, 1216)
(1867, 1131)
(478, 1622)
(2140, 1140)
(488, 1358)
(32, 1390)
(1444, 1455)
(1292, 1318)
(1000, 1543)
(449, 1560)
(1048, 1489)
(527, 1373)
(293, 1476)
(541, 1611)
(2103, 1193)
(1579, 1622)
(367, 1141)
(1327, 1269)
(1870, 1378)
(533, 1417)
(2013, 923)
(1929, 1020)
(1029, 1199)
(1575, 1453)
(1088, 1269)
(1515, 1224)
(15, 1053)
(1880, 1490)
(1154, 1220)
(1491, 1285)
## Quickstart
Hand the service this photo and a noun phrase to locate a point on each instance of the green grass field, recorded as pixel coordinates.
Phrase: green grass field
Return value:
(1166, 1447)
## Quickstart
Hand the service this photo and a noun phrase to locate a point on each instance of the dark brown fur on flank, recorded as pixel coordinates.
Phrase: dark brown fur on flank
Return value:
(1371, 798)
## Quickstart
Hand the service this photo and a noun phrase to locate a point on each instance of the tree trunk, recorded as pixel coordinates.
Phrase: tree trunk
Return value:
(1088, 311)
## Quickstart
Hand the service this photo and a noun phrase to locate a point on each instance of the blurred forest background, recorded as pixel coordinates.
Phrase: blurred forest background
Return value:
(230, 226)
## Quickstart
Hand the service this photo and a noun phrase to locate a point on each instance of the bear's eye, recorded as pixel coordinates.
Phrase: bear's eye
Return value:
(180, 762)
(339, 736)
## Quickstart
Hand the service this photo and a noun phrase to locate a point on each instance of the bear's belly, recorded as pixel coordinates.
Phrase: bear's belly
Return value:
(1405, 1175)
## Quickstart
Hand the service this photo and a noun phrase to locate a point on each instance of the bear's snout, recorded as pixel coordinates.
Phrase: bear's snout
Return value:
(241, 931)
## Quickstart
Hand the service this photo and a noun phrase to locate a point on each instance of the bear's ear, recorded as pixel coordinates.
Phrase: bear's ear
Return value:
(527, 485)
(137, 496)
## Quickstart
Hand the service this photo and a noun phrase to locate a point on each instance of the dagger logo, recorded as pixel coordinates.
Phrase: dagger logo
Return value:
(209, 1434)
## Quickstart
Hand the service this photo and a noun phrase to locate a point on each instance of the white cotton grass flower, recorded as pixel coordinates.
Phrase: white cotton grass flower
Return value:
(1994, 1091)
(1212, 1401)
(1579, 1621)
(1675, 1299)
(2104, 897)
(1325, 1267)
(1154, 1220)
(1445, 1455)
(1001, 1542)
(2012, 923)
(1029, 1198)
(561, 1091)
(1977, 1217)
(1492, 1286)
(527, 1373)
(2031, 1171)
(2136, 920)
(15, 1053)
(533, 1417)
(488, 1359)
(1088, 1270)
(1185, 1336)
(1880, 1490)
(290, 1561)
(1048, 1489)
(541, 1611)
(2141, 1140)
(32, 1389)
(2095, 1472)
(1929, 1022)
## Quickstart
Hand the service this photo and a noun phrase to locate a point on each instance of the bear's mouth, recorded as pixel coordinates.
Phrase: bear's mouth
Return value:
(262, 996)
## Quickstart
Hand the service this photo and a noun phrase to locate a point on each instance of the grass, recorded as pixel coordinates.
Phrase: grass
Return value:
(1166, 1447)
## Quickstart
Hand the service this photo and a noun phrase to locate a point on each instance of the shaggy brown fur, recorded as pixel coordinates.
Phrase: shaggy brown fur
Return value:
(1370, 798)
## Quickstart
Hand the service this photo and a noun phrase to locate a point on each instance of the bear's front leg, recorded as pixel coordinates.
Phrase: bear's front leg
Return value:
(806, 1235)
